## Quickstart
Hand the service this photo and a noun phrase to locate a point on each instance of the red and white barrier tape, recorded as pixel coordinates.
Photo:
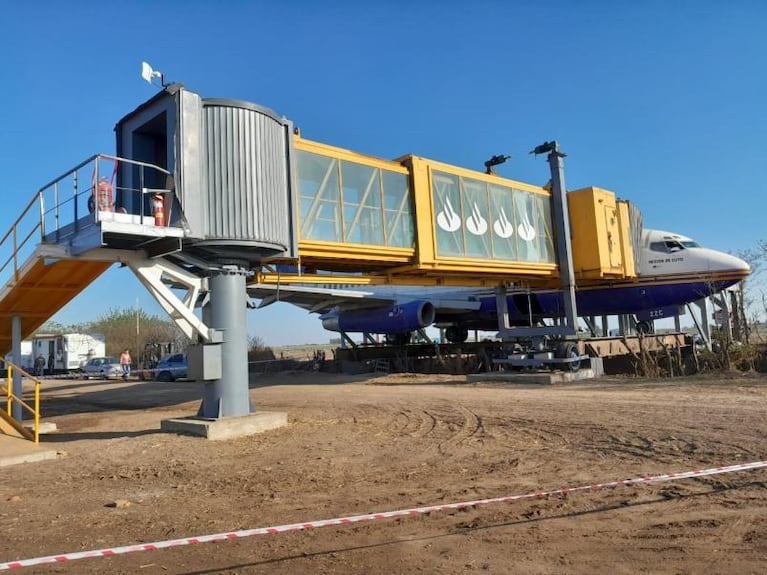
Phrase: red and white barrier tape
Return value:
(373, 516)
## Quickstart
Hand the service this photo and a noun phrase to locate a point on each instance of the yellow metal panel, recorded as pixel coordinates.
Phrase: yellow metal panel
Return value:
(583, 225)
(598, 235)
(627, 251)
(360, 253)
(424, 214)
(475, 175)
(348, 155)
(614, 259)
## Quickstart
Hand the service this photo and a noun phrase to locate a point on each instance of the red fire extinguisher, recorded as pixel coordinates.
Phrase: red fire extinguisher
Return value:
(104, 198)
(158, 210)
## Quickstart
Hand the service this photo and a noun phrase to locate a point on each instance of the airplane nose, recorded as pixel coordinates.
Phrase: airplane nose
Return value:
(734, 265)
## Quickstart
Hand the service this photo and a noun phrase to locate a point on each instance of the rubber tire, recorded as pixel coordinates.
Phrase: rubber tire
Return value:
(455, 334)
(644, 327)
(398, 338)
(567, 349)
(165, 376)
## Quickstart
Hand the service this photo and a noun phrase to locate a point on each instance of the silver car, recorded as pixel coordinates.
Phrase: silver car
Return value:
(102, 368)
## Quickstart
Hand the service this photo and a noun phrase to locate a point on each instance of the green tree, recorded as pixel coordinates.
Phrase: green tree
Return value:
(133, 329)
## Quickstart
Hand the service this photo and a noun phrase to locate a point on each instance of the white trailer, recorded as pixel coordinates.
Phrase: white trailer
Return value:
(68, 351)
(27, 361)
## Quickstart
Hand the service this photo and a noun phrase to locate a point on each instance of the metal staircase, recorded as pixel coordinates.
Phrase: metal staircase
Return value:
(73, 230)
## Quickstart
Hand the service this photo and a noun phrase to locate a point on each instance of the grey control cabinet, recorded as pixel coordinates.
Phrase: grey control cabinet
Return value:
(204, 362)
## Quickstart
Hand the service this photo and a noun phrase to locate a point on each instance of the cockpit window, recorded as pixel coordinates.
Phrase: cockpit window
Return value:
(670, 246)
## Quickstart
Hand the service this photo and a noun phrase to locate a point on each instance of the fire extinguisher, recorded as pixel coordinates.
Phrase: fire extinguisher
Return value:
(158, 210)
(104, 198)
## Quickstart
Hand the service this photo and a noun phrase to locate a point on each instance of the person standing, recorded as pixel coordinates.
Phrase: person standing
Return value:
(40, 365)
(125, 361)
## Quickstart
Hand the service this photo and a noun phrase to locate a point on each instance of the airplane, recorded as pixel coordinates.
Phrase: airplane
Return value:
(673, 270)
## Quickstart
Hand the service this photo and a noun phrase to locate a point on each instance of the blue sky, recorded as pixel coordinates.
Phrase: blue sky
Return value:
(661, 102)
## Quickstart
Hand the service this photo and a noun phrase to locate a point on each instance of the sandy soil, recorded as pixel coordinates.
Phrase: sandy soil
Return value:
(357, 445)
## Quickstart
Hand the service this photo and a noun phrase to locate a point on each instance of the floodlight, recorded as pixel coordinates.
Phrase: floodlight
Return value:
(149, 74)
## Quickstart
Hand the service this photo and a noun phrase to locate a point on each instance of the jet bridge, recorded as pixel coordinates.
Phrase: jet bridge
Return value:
(205, 195)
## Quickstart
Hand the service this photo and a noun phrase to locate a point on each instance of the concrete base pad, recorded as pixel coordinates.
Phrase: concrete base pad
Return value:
(541, 377)
(45, 427)
(227, 427)
(14, 451)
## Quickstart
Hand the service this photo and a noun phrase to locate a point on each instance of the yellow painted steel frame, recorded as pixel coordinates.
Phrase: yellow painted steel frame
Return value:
(419, 265)
(313, 252)
(11, 398)
(426, 237)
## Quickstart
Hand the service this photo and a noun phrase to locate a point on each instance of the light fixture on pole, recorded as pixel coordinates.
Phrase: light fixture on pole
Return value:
(149, 74)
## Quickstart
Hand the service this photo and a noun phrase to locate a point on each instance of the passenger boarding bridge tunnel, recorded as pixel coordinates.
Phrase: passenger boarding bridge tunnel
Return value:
(246, 198)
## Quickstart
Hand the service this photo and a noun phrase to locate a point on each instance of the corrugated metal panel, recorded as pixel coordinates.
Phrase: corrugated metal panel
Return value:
(246, 175)
(635, 217)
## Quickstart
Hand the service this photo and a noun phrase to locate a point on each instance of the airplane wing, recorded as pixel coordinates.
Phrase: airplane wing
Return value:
(321, 300)
(317, 299)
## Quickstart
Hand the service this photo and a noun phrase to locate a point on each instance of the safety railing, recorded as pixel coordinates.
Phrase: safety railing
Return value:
(102, 183)
(12, 399)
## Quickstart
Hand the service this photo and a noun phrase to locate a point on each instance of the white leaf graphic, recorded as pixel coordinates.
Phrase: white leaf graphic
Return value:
(525, 230)
(502, 226)
(447, 219)
(476, 224)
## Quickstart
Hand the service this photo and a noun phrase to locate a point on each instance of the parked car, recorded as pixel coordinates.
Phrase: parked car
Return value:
(102, 367)
(171, 367)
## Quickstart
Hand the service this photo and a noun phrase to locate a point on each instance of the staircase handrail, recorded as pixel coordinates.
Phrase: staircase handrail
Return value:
(12, 398)
(14, 234)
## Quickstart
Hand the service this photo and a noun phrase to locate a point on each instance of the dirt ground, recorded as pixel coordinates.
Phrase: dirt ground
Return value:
(365, 444)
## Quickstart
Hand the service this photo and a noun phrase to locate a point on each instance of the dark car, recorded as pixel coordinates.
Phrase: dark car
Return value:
(171, 367)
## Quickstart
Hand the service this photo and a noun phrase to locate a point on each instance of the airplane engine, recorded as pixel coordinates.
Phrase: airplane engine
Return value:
(394, 319)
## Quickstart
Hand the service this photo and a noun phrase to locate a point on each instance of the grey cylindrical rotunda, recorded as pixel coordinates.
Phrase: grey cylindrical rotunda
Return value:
(245, 153)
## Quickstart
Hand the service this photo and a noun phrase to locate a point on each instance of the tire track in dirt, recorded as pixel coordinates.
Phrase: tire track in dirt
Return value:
(418, 423)
(470, 427)
(666, 448)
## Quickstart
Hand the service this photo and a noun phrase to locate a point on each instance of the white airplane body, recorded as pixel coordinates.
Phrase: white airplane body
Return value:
(673, 270)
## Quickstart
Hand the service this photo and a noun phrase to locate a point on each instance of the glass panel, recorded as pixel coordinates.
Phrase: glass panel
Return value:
(447, 209)
(398, 215)
(504, 223)
(527, 228)
(362, 204)
(475, 211)
(543, 223)
(319, 197)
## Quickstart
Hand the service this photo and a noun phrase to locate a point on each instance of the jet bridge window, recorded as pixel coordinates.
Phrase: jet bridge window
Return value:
(490, 221)
(344, 201)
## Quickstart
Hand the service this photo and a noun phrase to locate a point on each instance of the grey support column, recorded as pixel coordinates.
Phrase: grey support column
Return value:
(502, 307)
(17, 413)
(561, 218)
(228, 396)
